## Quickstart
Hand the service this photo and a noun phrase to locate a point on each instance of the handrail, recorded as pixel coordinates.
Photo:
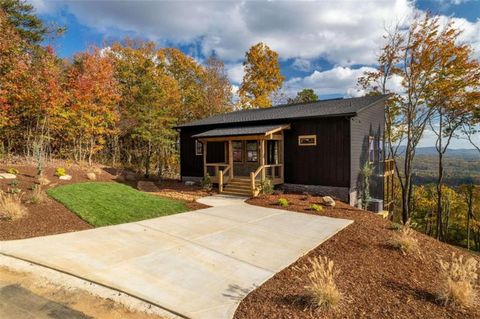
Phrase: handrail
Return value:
(221, 178)
(262, 169)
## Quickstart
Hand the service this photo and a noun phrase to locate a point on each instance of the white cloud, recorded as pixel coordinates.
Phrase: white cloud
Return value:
(337, 80)
(343, 32)
(302, 64)
(235, 72)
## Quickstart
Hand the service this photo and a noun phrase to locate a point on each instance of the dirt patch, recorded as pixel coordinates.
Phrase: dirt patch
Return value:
(51, 217)
(377, 281)
(83, 302)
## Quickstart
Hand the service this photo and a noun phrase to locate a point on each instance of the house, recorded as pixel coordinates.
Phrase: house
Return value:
(317, 147)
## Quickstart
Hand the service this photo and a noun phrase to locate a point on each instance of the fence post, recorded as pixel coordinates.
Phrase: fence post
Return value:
(220, 181)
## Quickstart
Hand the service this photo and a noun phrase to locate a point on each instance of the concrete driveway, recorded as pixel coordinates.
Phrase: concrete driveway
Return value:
(197, 264)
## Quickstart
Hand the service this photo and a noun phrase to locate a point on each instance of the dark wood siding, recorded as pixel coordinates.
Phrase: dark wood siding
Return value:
(326, 163)
(190, 164)
(369, 122)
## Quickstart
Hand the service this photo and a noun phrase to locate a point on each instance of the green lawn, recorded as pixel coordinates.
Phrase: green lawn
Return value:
(102, 204)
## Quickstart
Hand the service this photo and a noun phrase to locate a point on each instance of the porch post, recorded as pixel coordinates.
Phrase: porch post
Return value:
(205, 158)
(262, 157)
(281, 157)
(230, 158)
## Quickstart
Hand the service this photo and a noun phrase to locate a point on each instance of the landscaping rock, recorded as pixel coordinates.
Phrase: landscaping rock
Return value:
(91, 176)
(147, 186)
(328, 201)
(65, 177)
(7, 176)
(190, 183)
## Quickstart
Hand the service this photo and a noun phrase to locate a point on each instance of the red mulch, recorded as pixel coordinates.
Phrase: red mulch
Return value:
(377, 281)
(51, 217)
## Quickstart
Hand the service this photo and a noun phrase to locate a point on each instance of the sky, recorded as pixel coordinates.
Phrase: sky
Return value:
(324, 45)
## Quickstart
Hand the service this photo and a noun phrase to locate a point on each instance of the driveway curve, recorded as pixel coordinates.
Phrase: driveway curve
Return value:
(198, 264)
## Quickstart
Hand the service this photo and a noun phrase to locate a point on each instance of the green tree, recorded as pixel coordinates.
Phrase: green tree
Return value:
(30, 27)
(262, 77)
(303, 96)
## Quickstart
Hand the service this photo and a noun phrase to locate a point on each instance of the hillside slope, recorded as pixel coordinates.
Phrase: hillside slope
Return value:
(377, 280)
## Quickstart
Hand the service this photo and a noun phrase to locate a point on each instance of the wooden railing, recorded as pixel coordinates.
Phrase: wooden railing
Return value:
(274, 172)
(223, 177)
(219, 173)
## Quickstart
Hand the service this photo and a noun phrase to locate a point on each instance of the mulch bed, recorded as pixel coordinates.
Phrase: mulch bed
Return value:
(377, 280)
(51, 217)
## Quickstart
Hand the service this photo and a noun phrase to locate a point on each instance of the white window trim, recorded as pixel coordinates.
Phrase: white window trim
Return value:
(196, 148)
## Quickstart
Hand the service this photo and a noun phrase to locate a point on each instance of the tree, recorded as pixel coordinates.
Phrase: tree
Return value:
(455, 95)
(303, 96)
(414, 57)
(471, 194)
(22, 17)
(151, 98)
(93, 100)
(262, 77)
(218, 94)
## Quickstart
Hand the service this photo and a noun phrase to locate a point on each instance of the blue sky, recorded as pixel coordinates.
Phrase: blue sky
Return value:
(324, 45)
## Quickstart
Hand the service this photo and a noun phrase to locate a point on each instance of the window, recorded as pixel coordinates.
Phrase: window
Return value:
(198, 148)
(307, 140)
(237, 147)
(371, 149)
(252, 151)
(380, 150)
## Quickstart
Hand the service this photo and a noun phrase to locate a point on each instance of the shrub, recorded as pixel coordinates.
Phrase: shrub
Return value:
(60, 171)
(38, 196)
(207, 182)
(459, 280)
(266, 187)
(405, 241)
(316, 207)
(321, 282)
(13, 171)
(282, 202)
(14, 183)
(91, 176)
(306, 196)
(11, 207)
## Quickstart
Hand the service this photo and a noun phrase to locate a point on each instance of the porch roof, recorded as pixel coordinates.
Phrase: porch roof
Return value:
(242, 131)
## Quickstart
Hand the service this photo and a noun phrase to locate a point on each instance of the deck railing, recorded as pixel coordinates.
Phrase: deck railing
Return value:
(274, 172)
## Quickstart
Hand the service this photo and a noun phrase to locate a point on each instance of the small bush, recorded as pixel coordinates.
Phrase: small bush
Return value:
(405, 241)
(321, 282)
(13, 171)
(91, 176)
(306, 196)
(266, 187)
(14, 183)
(207, 182)
(60, 171)
(459, 280)
(282, 202)
(11, 207)
(38, 196)
(316, 207)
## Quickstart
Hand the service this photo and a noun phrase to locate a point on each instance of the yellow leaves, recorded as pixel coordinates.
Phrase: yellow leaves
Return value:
(262, 77)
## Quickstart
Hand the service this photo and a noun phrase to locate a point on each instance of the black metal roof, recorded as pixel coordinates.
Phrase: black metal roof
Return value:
(322, 108)
(238, 131)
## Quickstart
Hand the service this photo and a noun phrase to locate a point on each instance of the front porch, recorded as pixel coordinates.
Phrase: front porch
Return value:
(241, 158)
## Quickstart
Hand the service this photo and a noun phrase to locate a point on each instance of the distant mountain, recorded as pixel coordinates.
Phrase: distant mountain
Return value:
(454, 152)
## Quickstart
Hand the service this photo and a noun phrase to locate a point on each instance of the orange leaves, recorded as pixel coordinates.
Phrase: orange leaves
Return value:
(262, 77)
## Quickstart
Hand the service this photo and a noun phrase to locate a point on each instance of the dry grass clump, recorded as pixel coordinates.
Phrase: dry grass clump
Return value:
(404, 240)
(459, 281)
(321, 282)
(38, 195)
(11, 206)
(91, 176)
(43, 181)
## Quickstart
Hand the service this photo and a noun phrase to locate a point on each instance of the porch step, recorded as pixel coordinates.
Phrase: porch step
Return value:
(233, 193)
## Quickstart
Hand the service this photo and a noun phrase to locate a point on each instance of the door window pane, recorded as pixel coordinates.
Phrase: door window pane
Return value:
(252, 151)
(237, 151)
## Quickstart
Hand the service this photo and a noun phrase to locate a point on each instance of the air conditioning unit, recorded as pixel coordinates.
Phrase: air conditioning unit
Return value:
(375, 205)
